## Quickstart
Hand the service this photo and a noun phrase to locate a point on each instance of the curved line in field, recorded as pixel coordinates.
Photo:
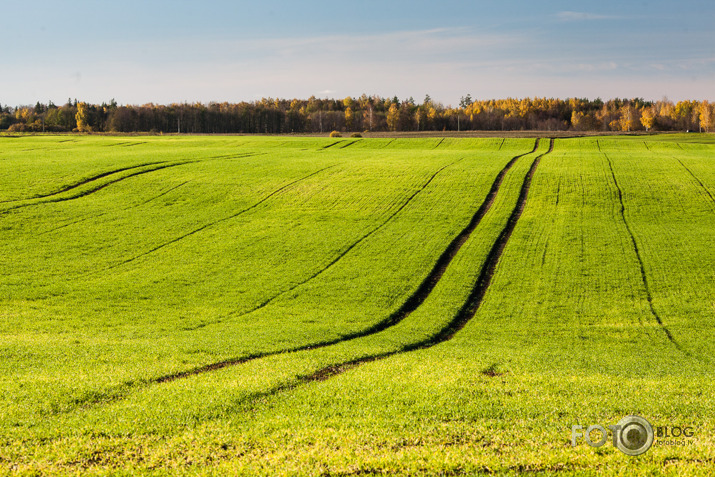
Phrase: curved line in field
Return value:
(697, 179)
(707, 191)
(460, 319)
(334, 261)
(412, 302)
(82, 182)
(96, 189)
(332, 144)
(105, 213)
(122, 391)
(644, 277)
(210, 224)
(69, 224)
(349, 144)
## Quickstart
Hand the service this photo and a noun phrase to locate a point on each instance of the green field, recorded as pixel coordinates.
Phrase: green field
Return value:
(313, 306)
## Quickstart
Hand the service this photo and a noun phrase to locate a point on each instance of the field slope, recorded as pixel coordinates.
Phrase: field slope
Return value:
(281, 305)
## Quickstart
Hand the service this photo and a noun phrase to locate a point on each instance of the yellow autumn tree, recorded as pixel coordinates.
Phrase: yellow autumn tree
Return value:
(629, 119)
(647, 118)
(576, 120)
(82, 118)
(707, 116)
(393, 117)
(349, 117)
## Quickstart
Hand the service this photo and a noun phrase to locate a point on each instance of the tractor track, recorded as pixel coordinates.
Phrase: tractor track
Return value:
(95, 216)
(459, 321)
(95, 189)
(707, 191)
(337, 258)
(349, 144)
(82, 182)
(332, 144)
(414, 301)
(211, 224)
(121, 392)
(644, 276)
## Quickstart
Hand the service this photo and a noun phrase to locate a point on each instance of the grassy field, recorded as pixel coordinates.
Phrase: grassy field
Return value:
(313, 306)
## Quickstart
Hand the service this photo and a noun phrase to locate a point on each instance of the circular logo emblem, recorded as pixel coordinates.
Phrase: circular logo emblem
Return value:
(635, 435)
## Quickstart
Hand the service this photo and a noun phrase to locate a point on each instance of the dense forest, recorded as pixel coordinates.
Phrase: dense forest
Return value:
(366, 113)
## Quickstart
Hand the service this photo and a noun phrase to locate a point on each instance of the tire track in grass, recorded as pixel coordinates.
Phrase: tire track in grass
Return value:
(331, 144)
(644, 276)
(336, 259)
(122, 391)
(349, 144)
(96, 216)
(412, 302)
(211, 224)
(697, 179)
(460, 319)
(707, 191)
(93, 190)
(82, 182)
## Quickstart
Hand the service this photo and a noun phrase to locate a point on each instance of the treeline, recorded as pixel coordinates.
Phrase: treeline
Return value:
(366, 113)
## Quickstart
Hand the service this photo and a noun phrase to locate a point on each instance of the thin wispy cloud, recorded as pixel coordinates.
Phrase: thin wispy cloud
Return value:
(569, 16)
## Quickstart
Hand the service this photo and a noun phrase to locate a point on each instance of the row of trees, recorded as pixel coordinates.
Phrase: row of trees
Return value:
(366, 113)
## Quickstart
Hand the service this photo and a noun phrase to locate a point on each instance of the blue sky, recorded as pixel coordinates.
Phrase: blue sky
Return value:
(175, 51)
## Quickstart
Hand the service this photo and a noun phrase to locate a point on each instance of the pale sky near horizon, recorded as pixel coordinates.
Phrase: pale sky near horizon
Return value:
(174, 51)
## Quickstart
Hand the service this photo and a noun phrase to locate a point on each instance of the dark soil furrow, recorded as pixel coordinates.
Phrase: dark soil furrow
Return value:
(644, 276)
(211, 224)
(414, 301)
(331, 144)
(349, 144)
(83, 182)
(438, 144)
(461, 318)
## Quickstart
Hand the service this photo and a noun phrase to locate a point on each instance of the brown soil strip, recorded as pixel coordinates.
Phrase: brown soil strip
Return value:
(644, 277)
(414, 301)
(211, 224)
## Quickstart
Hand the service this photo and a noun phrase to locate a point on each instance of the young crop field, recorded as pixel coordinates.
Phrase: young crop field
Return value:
(244, 305)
